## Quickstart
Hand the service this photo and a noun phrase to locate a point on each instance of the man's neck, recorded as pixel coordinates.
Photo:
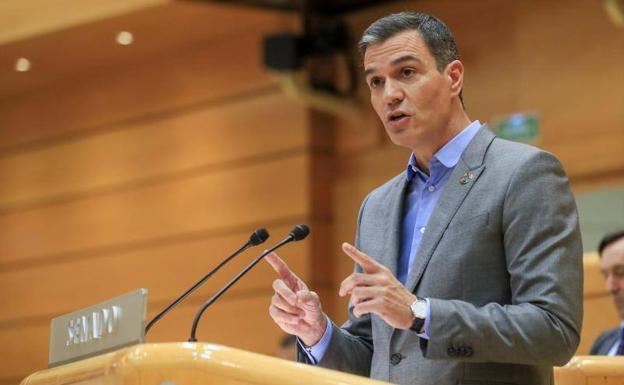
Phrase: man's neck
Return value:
(424, 153)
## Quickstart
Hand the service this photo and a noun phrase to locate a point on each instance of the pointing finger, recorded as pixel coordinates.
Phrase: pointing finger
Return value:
(356, 280)
(278, 264)
(281, 316)
(279, 302)
(368, 264)
(372, 306)
(283, 270)
(285, 292)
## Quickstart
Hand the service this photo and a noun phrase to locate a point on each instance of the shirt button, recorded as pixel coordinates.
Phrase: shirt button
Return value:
(431, 188)
(396, 358)
(422, 230)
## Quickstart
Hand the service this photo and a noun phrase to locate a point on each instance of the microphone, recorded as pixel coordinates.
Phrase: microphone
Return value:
(298, 233)
(256, 238)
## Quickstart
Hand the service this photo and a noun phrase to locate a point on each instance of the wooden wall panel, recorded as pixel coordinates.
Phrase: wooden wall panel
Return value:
(228, 198)
(197, 141)
(567, 71)
(166, 270)
(602, 157)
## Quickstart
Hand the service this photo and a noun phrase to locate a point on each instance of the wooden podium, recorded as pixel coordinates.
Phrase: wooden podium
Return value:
(188, 364)
(207, 364)
(591, 370)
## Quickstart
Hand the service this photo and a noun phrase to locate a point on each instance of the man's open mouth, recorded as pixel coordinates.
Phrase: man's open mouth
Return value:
(396, 117)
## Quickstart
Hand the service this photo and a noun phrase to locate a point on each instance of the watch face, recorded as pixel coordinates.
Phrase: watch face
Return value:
(419, 308)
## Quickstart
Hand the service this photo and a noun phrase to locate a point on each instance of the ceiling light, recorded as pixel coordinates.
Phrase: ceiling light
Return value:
(22, 65)
(124, 38)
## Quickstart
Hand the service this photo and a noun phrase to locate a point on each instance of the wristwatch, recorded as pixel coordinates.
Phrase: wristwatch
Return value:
(419, 308)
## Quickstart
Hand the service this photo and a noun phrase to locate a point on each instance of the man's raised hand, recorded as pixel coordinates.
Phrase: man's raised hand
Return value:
(376, 290)
(294, 308)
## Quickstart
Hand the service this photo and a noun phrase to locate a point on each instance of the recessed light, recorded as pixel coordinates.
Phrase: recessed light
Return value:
(22, 65)
(124, 38)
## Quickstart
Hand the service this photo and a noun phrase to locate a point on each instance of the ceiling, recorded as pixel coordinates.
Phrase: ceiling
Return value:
(318, 6)
(64, 45)
(22, 19)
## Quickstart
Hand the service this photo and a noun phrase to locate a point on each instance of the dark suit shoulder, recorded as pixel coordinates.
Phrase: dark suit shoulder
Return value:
(604, 342)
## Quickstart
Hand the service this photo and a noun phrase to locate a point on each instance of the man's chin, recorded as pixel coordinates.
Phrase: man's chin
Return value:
(402, 137)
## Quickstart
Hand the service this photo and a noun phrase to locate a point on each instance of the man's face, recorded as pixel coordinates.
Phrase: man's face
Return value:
(612, 267)
(411, 97)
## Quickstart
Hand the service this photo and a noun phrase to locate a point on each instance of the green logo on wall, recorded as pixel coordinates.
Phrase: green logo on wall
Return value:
(518, 127)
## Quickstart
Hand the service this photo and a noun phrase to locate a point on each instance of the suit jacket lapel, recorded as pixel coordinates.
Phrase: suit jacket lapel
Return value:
(389, 253)
(460, 182)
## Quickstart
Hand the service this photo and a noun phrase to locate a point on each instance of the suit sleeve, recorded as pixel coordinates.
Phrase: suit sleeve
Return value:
(351, 346)
(543, 255)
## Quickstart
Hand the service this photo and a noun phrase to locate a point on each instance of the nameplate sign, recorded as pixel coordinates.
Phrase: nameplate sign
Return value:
(98, 329)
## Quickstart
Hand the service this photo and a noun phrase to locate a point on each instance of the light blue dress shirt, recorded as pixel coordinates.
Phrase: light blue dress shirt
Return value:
(422, 194)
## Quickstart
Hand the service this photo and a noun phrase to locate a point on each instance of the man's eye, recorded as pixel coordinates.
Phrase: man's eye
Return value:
(375, 82)
(407, 72)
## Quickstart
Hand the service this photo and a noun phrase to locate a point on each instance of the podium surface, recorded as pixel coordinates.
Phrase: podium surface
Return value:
(187, 364)
(591, 370)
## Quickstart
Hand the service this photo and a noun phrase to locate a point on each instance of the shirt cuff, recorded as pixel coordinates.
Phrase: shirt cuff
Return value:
(316, 352)
(425, 333)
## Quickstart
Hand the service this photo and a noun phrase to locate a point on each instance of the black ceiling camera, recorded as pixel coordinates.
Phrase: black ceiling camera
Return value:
(283, 52)
(286, 51)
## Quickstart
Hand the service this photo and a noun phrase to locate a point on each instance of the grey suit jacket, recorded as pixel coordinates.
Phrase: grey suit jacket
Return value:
(500, 261)
(605, 342)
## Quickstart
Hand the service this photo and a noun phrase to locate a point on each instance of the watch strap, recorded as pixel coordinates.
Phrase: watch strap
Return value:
(418, 325)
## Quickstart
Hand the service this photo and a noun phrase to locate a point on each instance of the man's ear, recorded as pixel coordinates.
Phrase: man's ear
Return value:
(455, 74)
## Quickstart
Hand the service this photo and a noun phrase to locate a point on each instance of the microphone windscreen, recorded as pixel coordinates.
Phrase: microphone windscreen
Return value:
(258, 237)
(299, 232)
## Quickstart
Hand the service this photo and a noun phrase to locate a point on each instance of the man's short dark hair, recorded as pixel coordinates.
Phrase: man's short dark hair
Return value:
(609, 239)
(437, 36)
(439, 39)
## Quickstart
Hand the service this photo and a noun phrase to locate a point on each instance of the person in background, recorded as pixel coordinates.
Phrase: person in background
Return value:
(611, 251)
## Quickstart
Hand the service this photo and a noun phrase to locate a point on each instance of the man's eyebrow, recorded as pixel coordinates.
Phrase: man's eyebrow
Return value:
(369, 71)
(405, 58)
(395, 62)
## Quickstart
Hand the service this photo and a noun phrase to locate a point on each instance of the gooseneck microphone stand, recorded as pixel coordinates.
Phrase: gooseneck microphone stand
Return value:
(297, 234)
(258, 237)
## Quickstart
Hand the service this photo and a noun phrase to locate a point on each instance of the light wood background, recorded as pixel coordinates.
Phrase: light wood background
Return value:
(143, 166)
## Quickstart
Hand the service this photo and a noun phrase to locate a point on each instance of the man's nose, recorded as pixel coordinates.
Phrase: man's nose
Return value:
(393, 92)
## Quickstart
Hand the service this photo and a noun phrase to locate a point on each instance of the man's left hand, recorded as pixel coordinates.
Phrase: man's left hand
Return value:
(377, 291)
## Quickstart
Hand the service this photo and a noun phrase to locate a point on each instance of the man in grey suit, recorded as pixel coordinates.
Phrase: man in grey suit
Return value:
(469, 263)
(611, 251)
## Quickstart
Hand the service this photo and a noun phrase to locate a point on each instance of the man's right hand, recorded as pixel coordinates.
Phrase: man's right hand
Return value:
(294, 308)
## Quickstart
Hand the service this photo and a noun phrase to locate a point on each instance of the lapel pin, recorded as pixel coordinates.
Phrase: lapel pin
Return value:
(467, 177)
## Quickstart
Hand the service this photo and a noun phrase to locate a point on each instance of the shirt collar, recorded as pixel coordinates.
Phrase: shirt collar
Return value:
(449, 154)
